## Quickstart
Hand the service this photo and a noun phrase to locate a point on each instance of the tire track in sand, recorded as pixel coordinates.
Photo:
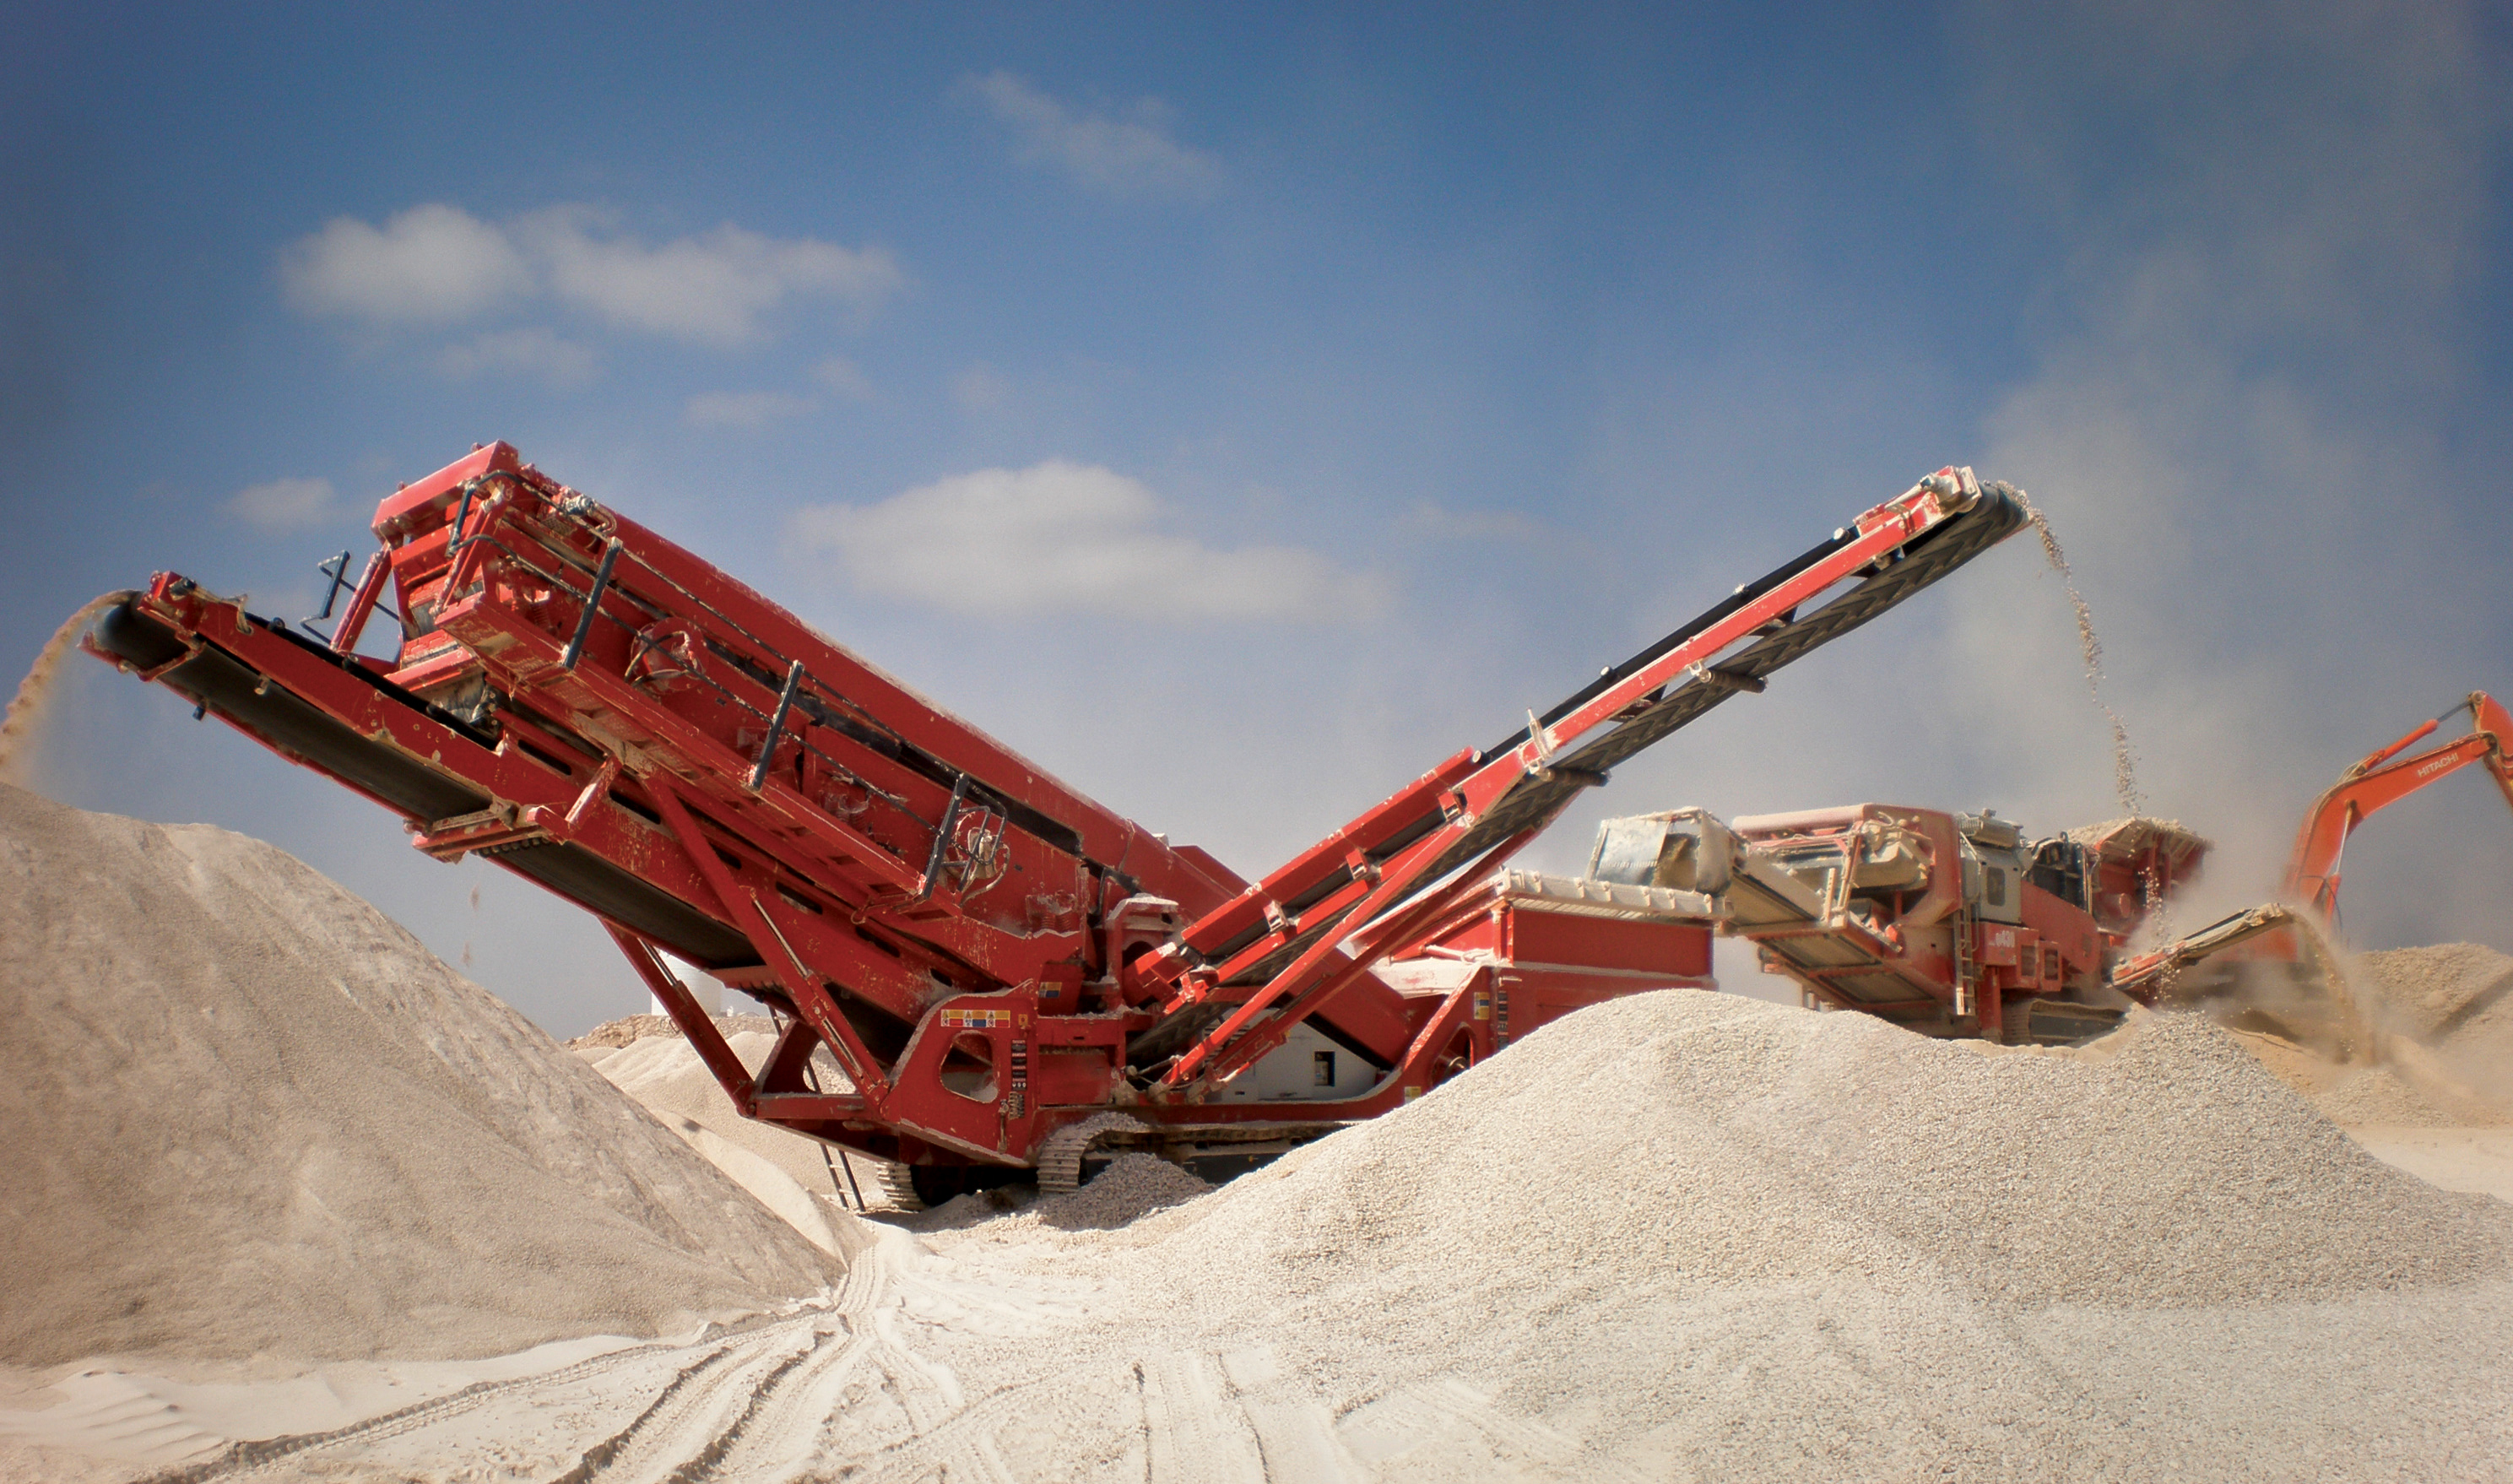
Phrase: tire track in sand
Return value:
(250, 1457)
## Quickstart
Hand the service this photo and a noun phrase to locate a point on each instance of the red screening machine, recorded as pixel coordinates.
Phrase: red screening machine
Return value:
(1008, 976)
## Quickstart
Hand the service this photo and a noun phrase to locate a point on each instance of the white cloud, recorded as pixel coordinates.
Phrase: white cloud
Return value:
(713, 289)
(742, 409)
(1068, 538)
(1119, 156)
(283, 505)
(534, 351)
(429, 264)
(436, 264)
(843, 378)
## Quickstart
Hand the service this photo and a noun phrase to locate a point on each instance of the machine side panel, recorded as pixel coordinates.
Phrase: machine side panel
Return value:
(1679, 950)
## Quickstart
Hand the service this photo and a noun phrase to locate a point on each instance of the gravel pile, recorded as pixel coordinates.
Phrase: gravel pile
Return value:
(1698, 1237)
(2443, 1043)
(1132, 1188)
(2459, 992)
(2455, 1000)
(800, 1178)
(249, 1116)
(629, 1029)
(1707, 1140)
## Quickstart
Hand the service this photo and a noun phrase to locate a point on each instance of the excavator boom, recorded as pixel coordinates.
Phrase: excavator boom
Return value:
(2276, 967)
(2384, 777)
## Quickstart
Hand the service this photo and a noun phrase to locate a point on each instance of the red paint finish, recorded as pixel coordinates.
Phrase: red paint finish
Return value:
(1675, 951)
(988, 953)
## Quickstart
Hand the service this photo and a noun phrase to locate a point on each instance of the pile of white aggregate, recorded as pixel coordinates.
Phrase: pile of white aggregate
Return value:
(2448, 992)
(1713, 1143)
(2439, 1054)
(1131, 1187)
(1677, 1236)
(2455, 1001)
(249, 1117)
(788, 1172)
(1697, 1236)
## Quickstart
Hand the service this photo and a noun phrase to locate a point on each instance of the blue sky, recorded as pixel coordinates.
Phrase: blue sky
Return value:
(1240, 409)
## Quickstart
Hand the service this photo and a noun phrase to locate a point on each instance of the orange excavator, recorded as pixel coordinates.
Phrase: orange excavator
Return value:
(2385, 778)
(2274, 967)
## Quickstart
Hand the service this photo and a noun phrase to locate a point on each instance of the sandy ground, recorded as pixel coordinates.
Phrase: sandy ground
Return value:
(1679, 1236)
(1101, 1336)
(249, 1116)
(902, 1376)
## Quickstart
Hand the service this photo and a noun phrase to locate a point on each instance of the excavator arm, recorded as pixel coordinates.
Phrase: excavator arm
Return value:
(2383, 779)
(2273, 967)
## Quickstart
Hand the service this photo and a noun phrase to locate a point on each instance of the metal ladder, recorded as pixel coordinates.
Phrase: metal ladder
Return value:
(1967, 968)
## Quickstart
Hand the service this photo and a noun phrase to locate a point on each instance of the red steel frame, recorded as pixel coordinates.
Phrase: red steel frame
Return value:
(1966, 972)
(1533, 961)
(984, 949)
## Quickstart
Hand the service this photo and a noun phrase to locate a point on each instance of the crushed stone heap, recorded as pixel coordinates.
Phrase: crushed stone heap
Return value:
(250, 1115)
(795, 1177)
(2455, 1000)
(1700, 1226)
(1709, 1139)
(2448, 992)
(2442, 1044)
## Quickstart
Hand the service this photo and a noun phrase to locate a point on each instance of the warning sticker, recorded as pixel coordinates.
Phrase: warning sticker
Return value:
(972, 1018)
